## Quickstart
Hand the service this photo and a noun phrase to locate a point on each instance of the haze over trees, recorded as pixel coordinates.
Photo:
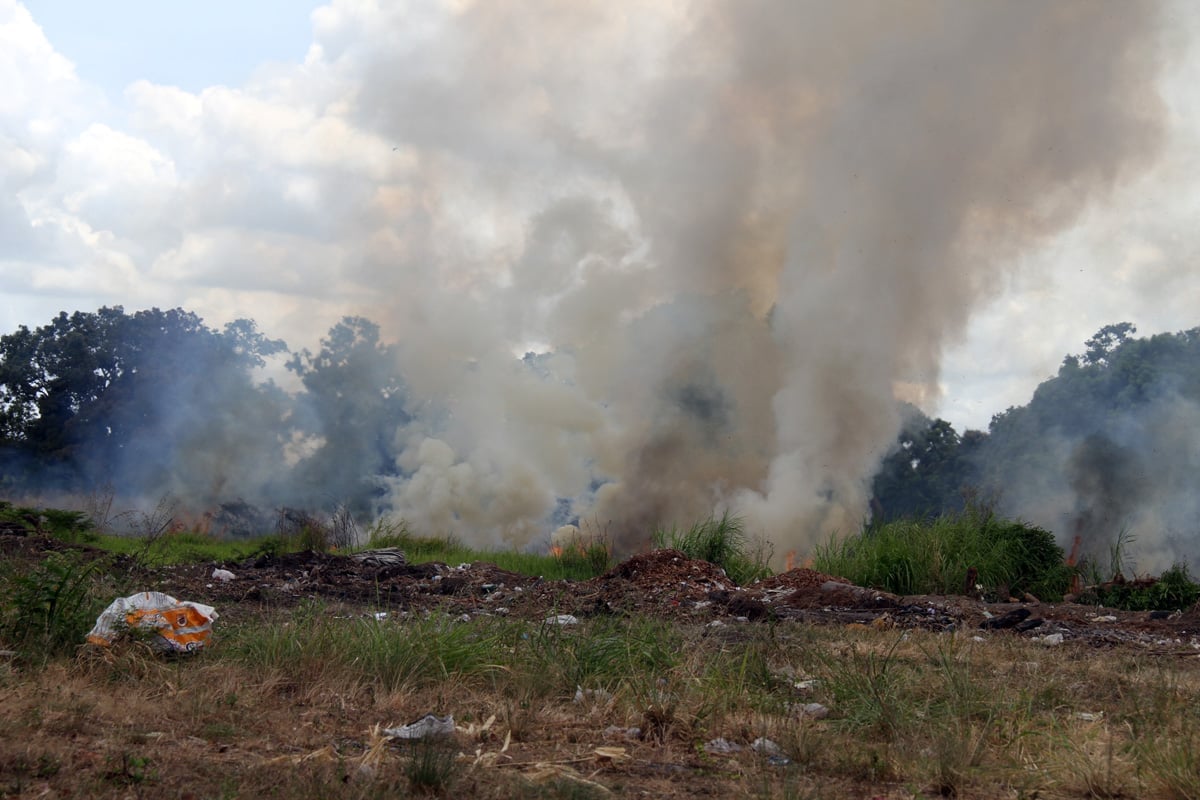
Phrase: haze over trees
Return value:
(158, 402)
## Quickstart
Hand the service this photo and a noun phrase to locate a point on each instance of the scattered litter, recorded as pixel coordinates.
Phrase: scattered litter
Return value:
(1089, 716)
(778, 761)
(223, 575)
(381, 557)
(978, 639)
(806, 685)
(721, 746)
(595, 695)
(464, 617)
(381, 615)
(716, 623)
(1009, 620)
(562, 619)
(180, 626)
(1104, 618)
(1052, 639)
(815, 710)
(427, 727)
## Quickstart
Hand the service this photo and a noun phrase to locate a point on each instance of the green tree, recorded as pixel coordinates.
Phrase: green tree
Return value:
(927, 472)
(113, 397)
(354, 404)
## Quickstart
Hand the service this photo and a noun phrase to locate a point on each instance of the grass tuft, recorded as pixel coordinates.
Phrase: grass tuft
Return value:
(911, 557)
(721, 541)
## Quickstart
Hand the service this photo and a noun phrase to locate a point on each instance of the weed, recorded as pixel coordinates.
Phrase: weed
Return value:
(431, 766)
(1174, 590)
(916, 557)
(51, 607)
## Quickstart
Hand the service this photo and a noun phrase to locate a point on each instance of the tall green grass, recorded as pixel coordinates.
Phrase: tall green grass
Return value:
(722, 541)
(916, 557)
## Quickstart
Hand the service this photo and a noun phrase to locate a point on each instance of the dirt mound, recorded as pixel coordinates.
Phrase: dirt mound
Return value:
(795, 579)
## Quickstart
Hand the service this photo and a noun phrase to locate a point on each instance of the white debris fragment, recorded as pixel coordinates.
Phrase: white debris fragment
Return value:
(562, 619)
(223, 575)
(806, 685)
(595, 695)
(1105, 618)
(1052, 639)
(722, 746)
(426, 727)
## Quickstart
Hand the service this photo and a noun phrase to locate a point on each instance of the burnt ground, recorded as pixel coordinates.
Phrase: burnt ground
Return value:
(663, 583)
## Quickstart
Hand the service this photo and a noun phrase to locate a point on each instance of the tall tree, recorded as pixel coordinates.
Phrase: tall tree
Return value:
(353, 406)
(137, 399)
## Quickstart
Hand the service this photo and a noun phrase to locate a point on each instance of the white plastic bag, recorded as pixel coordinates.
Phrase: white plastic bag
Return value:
(180, 627)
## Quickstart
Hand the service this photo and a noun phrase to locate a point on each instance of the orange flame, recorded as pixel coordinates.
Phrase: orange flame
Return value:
(789, 560)
(556, 551)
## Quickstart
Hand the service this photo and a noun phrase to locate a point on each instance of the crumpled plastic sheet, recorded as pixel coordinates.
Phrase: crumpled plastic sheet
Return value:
(179, 626)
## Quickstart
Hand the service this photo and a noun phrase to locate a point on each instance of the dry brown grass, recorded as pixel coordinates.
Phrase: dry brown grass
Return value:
(913, 714)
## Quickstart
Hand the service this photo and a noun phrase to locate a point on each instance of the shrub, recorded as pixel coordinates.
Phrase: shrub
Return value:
(1173, 591)
(917, 557)
(51, 608)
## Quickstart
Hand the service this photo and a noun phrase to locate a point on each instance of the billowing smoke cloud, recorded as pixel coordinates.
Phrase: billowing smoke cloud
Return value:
(754, 226)
(734, 233)
(1121, 481)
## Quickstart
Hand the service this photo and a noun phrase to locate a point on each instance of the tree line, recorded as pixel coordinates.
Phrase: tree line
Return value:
(157, 400)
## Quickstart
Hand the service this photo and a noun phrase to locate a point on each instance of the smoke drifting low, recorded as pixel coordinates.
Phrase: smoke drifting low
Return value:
(732, 234)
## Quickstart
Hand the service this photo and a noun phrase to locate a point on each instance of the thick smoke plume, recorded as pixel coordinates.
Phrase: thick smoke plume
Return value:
(738, 231)
(731, 235)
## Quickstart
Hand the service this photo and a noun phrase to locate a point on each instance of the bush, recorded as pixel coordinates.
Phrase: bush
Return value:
(1173, 591)
(917, 557)
(51, 608)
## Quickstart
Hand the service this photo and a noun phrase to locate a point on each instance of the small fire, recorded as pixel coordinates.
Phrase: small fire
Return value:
(789, 560)
(556, 550)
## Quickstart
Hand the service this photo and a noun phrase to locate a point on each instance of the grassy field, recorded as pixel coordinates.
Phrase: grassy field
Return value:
(292, 701)
(288, 706)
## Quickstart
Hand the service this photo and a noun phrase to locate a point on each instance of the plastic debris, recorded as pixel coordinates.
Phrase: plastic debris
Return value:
(180, 626)
(562, 619)
(595, 695)
(427, 727)
(722, 746)
(1052, 639)
(381, 557)
(223, 575)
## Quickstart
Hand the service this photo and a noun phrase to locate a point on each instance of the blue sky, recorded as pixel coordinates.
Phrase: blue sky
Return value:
(192, 45)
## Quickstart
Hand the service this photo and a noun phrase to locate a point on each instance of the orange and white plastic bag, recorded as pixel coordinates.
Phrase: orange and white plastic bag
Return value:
(181, 627)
